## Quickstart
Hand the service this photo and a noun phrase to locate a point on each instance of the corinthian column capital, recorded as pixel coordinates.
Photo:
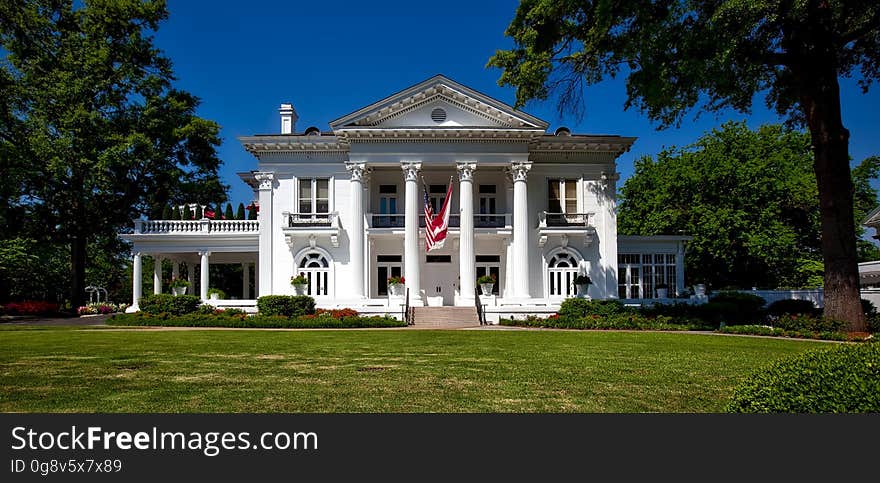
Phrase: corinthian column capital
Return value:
(466, 170)
(519, 171)
(411, 171)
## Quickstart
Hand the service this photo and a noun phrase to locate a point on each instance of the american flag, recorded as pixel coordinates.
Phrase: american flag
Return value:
(437, 226)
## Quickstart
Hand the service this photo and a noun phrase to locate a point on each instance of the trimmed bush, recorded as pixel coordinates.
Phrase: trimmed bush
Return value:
(239, 213)
(170, 304)
(791, 306)
(240, 320)
(808, 322)
(578, 307)
(286, 305)
(841, 380)
(621, 321)
(779, 332)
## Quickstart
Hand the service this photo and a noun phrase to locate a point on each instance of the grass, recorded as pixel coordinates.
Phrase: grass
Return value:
(62, 370)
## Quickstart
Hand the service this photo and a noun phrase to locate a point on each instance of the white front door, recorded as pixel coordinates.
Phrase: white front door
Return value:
(440, 278)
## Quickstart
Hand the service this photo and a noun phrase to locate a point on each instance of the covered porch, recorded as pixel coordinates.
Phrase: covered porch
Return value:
(230, 247)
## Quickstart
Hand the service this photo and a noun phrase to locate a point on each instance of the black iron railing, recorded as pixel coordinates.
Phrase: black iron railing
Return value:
(407, 310)
(480, 314)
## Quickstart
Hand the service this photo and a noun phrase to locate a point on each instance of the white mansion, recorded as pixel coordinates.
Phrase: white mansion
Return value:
(345, 207)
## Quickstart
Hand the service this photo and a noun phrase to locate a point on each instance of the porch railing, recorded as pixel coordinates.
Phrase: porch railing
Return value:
(150, 227)
(548, 219)
(398, 220)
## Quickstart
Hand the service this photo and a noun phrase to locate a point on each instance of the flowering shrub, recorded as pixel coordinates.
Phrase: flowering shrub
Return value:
(101, 308)
(396, 280)
(338, 313)
(31, 307)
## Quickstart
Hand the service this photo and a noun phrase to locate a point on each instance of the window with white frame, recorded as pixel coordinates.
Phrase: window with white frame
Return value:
(561, 270)
(562, 196)
(639, 274)
(316, 268)
(314, 195)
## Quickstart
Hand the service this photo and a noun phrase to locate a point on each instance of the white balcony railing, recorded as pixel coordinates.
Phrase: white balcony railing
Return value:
(397, 220)
(150, 227)
(310, 220)
(565, 220)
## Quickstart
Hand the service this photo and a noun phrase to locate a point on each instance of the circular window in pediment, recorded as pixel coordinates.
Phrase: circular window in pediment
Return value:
(438, 115)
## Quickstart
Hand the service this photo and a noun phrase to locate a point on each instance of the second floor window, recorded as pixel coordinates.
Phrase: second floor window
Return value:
(314, 195)
(562, 194)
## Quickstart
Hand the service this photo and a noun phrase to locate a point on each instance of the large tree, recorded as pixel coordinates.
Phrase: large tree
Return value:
(749, 199)
(93, 130)
(682, 54)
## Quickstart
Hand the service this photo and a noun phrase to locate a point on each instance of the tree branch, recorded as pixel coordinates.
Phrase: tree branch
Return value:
(860, 32)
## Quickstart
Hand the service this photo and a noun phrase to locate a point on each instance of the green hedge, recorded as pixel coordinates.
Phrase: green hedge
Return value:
(841, 380)
(578, 307)
(780, 332)
(170, 304)
(792, 306)
(255, 321)
(286, 305)
(616, 321)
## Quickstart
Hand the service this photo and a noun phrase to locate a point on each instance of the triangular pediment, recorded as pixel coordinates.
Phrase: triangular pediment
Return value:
(439, 102)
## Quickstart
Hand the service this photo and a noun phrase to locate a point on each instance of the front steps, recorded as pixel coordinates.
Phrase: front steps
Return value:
(445, 317)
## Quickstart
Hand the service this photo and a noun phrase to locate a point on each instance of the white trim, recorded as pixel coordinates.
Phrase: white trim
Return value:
(331, 279)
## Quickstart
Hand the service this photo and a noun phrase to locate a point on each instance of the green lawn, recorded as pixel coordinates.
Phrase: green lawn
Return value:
(58, 370)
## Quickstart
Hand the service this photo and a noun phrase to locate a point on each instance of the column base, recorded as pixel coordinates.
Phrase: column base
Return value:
(132, 309)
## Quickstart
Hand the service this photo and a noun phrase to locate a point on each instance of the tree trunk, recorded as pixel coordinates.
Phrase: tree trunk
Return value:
(821, 105)
(77, 270)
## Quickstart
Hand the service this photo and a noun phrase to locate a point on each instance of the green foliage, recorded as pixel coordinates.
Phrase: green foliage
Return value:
(100, 132)
(286, 305)
(868, 307)
(748, 198)
(578, 307)
(791, 306)
(841, 380)
(239, 213)
(198, 213)
(237, 318)
(179, 282)
(766, 330)
(807, 322)
(169, 304)
(614, 321)
(229, 214)
(486, 279)
(252, 213)
(166, 213)
(175, 213)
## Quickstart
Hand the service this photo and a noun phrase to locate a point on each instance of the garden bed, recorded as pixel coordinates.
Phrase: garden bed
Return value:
(238, 320)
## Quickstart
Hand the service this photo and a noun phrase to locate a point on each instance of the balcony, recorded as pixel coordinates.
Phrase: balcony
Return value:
(574, 220)
(397, 220)
(565, 224)
(311, 225)
(195, 227)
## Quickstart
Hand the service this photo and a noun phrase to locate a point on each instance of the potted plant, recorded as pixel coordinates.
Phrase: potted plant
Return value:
(487, 283)
(582, 283)
(662, 290)
(300, 284)
(700, 289)
(395, 285)
(178, 286)
(216, 294)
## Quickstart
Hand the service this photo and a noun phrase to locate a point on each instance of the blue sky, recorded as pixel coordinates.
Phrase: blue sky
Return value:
(244, 58)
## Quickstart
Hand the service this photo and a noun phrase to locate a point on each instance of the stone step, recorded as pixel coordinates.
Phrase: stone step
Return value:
(445, 317)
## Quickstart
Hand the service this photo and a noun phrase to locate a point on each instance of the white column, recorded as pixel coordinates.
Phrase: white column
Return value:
(245, 281)
(359, 172)
(467, 257)
(257, 280)
(508, 268)
(191, 268)
(679, 268)
(137, 279)
(157, 274)
(519, 172)
(205, 265)
(412, 272)
(267, 220)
